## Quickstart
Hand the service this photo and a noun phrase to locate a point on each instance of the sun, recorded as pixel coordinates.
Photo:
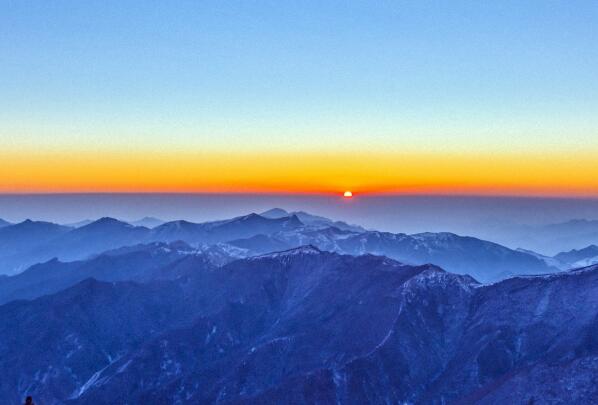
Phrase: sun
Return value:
(348, 194)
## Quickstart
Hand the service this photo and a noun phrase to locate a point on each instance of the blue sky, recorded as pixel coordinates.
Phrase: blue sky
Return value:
(471, 75)
(484, 98)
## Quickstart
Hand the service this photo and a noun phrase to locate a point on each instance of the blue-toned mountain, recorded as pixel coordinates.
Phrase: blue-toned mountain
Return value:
(312, 220)
(579, 257)
(255, 234)
(486, 261)
(28, 243)
(135, 263)
(305, 326)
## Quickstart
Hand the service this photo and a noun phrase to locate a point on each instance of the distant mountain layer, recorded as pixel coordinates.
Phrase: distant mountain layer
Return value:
(29, 242)
(313, 220)
(18, 243)
(4, 223)
(306, 326)
(574, 233)
(148, 222)
(255, 234)
(79, 224)
(547, 239)
(579, 258)
(569, 260)
(486, 261)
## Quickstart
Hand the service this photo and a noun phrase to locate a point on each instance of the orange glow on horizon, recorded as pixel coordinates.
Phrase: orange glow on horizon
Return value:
(308, 173)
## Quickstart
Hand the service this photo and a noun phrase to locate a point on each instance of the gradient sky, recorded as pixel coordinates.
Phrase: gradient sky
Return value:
(300, 96)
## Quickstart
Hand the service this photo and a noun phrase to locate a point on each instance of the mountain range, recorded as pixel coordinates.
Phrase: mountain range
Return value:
(290, 307)
(486, 261)
(310, 219)
(304, 326)
(29, 243)
(136, 263)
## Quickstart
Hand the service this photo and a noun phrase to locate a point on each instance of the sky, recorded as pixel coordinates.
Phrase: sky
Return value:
(300, 97)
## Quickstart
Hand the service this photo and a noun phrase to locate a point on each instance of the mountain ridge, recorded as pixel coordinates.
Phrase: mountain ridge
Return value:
(253, 234)
(267, 329)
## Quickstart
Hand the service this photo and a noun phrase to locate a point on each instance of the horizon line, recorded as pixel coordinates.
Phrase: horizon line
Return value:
(356, 194)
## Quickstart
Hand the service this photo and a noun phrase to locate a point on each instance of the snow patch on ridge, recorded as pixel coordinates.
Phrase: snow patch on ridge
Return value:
(301, 250)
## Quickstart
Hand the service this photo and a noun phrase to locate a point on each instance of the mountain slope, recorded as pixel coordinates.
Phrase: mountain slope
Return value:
(524, 323)
(53, 345)
(485, 261)
(550, 261)
(137, 263)
(413, 335)
(303, 326)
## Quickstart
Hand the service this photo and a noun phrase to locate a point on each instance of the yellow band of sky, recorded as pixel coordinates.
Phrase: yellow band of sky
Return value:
(307, 172)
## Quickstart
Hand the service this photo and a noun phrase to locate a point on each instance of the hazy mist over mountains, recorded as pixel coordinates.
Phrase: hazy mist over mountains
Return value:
(546, 225)
(30, 242)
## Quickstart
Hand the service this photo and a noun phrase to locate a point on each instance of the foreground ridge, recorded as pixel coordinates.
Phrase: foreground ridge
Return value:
(344, 329)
